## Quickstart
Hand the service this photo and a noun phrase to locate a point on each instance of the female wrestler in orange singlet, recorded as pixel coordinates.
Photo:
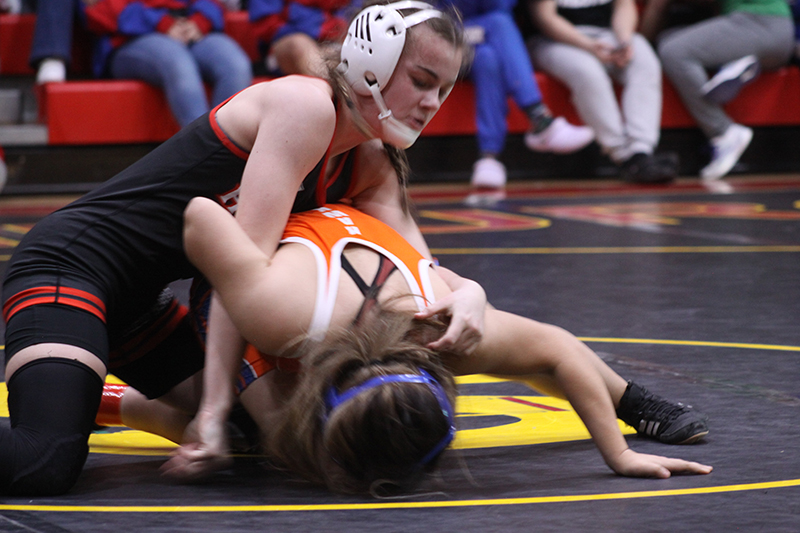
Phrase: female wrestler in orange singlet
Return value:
(348, 380)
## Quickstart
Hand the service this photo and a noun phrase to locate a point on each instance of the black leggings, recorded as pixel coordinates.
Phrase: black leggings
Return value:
(52, 403)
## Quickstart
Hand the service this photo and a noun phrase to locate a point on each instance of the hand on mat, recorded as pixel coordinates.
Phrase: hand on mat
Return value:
(633, 464)
(465, 306)
(203, 452)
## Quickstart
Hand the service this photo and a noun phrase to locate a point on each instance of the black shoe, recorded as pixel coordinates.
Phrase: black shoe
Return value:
(649, 169)
(669, 162)
(660, 419)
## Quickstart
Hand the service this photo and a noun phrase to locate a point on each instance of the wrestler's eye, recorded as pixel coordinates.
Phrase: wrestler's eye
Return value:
(421, 83)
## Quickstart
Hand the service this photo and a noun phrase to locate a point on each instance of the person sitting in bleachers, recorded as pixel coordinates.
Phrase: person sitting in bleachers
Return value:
(293, 35)
(589, 45)
(747, 36)
(502, 69)
(173, 44)
(51, 49)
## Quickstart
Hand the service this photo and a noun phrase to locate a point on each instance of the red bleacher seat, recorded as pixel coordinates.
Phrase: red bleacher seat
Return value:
(16, 36)
(105, 112)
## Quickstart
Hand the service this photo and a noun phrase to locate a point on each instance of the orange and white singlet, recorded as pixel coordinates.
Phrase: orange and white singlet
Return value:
(326, 231)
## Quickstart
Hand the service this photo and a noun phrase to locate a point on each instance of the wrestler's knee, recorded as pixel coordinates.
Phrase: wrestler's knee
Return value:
(49, 467)
(52, 404)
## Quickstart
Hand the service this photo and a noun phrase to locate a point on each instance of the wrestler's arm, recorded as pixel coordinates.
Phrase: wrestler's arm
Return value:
(525, 350)
(381, 198)
(290, 122)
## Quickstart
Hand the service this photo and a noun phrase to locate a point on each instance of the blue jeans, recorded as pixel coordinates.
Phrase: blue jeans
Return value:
(501, 68)
(180, 70)
(52, 34)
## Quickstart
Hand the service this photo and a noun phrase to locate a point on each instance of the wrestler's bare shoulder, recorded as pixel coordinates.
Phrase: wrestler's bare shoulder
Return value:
(282, 102)
(304, 91)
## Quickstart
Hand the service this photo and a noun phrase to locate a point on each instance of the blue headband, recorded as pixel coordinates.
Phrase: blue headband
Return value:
(333, 400)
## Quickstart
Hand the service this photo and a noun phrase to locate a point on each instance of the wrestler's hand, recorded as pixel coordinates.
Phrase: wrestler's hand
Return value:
(632, 464)
(203, 452)
(465, 306)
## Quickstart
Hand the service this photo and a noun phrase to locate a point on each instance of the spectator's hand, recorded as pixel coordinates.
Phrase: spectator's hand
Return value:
(603, 50)
(178, 31)
(185, 31)
(203, 452)
(465, 307)
(193, 33)
(622, 55)
(633, 464)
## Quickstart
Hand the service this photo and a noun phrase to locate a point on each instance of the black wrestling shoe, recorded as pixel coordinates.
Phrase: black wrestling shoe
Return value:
(660, 419)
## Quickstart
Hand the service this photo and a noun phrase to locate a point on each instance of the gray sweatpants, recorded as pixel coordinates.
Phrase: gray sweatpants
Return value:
(622, 128)
(686, 53)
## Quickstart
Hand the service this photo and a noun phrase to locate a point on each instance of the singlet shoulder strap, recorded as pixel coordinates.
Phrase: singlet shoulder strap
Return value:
(370, 292)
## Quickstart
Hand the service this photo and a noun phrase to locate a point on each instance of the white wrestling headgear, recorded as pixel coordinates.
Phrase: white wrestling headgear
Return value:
(371, 50)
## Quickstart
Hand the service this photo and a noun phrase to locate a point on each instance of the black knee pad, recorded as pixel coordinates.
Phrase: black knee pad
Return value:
(52, 404)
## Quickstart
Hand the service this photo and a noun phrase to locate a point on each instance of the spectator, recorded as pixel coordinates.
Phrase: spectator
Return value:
(293, 35)
(173, 44)
(501, 67)
(759, 28)
(51, 50)
(589, 45)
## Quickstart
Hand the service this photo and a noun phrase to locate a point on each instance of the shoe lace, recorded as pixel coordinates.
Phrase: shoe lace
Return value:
(656, 409)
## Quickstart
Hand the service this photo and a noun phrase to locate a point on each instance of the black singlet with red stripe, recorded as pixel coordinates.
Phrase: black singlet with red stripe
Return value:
(123, 241)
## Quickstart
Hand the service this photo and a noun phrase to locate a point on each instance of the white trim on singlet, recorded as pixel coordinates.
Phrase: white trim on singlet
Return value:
(328, 279)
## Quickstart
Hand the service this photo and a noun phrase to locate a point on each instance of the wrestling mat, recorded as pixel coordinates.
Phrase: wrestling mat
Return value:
(694, 293)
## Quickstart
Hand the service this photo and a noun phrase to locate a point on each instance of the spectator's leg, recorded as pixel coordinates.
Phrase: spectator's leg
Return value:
(224, 64)
(687, 53)
(490, 100)
(591, 89)
(168, 64)
(502, 35)
(775, 40)
(641, 97)
(52, 34)
(547, 134)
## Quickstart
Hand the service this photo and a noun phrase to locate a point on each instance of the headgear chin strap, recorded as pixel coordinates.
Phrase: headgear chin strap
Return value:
(370, 52)
(333, 400)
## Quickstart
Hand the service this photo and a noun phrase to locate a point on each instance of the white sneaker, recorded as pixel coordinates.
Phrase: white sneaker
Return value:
(488, 182)
(727, 149)
(488, 173)
(51, 70)
(729, 80)
(559, 137)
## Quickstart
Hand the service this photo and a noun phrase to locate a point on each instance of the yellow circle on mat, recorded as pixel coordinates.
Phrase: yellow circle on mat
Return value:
(510, 421)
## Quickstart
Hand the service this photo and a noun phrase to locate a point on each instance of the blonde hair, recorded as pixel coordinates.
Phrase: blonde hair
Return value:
(382, 437)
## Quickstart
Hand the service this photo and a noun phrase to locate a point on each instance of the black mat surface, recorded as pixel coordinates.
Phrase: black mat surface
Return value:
(693, 293)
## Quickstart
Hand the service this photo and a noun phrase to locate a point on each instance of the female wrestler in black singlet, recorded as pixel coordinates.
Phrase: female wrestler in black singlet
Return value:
(83, 291)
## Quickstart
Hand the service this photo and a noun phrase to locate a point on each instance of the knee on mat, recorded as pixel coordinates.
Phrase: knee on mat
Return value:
(50, 467)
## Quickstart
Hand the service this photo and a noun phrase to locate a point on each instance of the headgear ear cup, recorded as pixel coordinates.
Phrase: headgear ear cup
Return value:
(370, 52)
